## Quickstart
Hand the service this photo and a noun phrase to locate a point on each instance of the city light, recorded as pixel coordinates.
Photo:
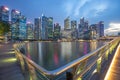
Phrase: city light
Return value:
(17, 12)
(10, 60)
(6, 8)
(28, 22)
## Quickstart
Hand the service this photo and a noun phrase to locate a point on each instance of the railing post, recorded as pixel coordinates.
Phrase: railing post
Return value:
(31, 71)
(99, 64)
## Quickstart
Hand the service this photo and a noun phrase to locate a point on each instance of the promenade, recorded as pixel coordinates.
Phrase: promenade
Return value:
(9, 67)
(113, 72)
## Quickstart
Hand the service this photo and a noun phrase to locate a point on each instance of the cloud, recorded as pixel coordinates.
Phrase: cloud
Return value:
(102, 7)
(68, 7)
(93, 10)
(80, 4)
(85, 8)
(113, 28)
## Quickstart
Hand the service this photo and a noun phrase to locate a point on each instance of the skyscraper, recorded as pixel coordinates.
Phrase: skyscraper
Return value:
(67, 23)
(22, 27)
(50, 28)
(30, 33)
(44, 23)
(82, 29)
(85, 26)
(93, 31)
(4, 13)
(74, 29)
(100, 29)
(15, 15)
(73, 24)
(37, 28)
(57, 29)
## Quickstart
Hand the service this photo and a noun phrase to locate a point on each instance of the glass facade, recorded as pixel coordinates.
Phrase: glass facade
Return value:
(67, 23)
(50, 28)
(37, 29)
(22, 27)
(57, 29)
(100, 29)
(82, 28)
(74, 29)
(30, 33)
(4, 13)
(15, 14)
(73, 24)
(44, 28)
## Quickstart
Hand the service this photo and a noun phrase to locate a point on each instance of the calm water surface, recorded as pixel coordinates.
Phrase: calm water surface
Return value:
(52, 55)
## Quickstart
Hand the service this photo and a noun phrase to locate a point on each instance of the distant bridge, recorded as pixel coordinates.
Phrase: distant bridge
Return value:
(108, 37)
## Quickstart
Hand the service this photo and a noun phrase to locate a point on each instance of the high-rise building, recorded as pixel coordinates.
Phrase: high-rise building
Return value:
(50, 28)
(57, 29)
(82, 28)
(74, 29)
(73, 24)
(82, 21)
(85, 26)
(44, 23)
(15, 15)
(100, 29)
(4, 13)
(67, 23)
(93, 31)
(22, 27)
(37, 28)
(30, 31)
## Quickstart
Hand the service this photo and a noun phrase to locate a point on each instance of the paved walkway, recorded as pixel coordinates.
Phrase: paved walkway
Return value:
(9, 67)
(113, 72)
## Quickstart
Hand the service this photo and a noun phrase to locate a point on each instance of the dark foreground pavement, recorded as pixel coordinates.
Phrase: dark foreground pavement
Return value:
(9, 67)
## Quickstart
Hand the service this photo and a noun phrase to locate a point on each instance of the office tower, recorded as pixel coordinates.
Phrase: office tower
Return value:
(57, 29)
(93, 31)
(15, 14)
(82, 29)
(50, 28)
(22, 27)
(67, 23)
(100, 29)
(74, 29)
(73, 24)
(44, 23)
(30, 31)
(37, 28)
(85, 26)
(4, 13)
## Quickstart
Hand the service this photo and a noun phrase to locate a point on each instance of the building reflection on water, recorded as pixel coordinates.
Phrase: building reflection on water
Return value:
(52, 55)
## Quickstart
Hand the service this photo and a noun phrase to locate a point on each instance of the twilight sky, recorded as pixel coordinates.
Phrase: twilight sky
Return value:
(93, 10)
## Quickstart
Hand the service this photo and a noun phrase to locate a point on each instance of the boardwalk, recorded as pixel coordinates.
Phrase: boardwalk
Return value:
(114, 69)
(9, 67)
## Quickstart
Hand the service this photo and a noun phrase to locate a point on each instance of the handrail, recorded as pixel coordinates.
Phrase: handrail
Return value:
(67, 66)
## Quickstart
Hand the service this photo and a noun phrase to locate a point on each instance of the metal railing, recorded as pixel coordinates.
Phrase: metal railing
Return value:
(78, 68)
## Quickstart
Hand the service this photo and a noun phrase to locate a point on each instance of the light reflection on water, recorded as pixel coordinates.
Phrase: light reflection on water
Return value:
(52, 55)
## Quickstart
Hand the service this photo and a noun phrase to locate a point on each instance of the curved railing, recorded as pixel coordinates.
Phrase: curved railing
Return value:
(80, 68)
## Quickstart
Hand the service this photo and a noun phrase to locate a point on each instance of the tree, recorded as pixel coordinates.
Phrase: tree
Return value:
(4, 27)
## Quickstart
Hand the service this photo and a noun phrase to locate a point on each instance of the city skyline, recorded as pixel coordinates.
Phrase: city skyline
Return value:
(59, 10)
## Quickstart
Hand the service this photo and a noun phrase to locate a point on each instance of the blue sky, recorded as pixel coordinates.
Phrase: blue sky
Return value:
(93, 10)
